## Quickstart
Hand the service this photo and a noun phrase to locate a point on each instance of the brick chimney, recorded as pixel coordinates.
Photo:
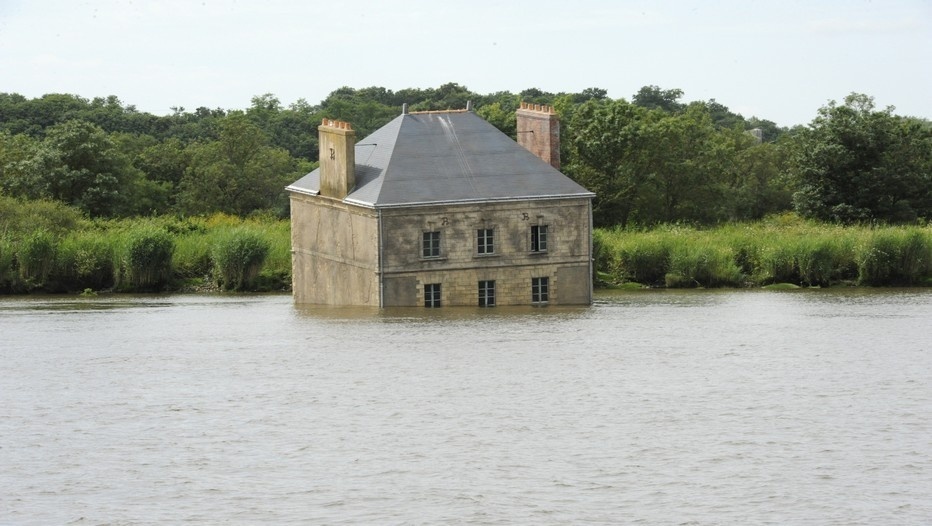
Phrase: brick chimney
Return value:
(337, 158)
(539, 132)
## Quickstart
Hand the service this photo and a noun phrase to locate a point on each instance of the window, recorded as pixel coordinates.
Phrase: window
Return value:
(539, 238)
(540, 290)
(431, 245)
(432, 295)
(486, 243)
(486, 293)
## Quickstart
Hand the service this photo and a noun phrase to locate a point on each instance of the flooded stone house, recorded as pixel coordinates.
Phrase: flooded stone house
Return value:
(441, 208)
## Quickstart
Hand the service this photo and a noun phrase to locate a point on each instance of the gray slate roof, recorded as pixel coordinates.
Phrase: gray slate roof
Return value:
(446, 157)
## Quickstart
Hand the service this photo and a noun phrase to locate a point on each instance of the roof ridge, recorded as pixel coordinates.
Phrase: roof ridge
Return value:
(391, 156)
(425, 112)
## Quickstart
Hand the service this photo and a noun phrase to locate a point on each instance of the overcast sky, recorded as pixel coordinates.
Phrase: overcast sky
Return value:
(777, 60)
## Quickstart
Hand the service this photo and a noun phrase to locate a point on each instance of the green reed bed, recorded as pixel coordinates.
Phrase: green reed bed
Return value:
(45, 248)
(776, 251)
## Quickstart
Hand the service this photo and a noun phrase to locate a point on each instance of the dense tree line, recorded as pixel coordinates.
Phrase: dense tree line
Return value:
(652, 159)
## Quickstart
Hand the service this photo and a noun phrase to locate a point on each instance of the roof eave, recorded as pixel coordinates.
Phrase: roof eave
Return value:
(305, 191)
(587, 195)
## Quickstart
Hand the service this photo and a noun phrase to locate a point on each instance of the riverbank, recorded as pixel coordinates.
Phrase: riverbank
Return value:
(47, 247)
(782, 250)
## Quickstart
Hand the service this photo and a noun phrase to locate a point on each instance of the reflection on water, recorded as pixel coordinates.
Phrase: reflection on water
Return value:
(658, 407)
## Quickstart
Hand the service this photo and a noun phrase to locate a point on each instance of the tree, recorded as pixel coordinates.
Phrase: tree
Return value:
(652, 97)
(687, 157)
(856, 164)
(237, 174)
(78, 164)
(502, 119)
(606, 139)
(23, 165)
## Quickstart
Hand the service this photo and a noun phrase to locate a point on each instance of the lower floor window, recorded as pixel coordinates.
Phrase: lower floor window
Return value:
(487, 293)
(540, 290)
(432, 295)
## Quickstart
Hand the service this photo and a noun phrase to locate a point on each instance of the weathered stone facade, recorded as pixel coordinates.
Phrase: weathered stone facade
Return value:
(334, 252)
(512, 264)
(336, 247)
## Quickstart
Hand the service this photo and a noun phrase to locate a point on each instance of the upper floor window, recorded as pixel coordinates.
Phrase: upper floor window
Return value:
(431, 245)
(539, 238)
(486, 241)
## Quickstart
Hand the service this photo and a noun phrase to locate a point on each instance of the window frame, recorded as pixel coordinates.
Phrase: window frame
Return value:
(540, 290)
(539, 241)
(431, 244)
(486, 291)
(485, 241)
(432, 295)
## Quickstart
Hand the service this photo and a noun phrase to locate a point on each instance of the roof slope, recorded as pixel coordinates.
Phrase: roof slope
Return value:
(446, 157)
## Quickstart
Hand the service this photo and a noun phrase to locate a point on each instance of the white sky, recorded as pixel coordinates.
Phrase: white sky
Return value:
(778, 60)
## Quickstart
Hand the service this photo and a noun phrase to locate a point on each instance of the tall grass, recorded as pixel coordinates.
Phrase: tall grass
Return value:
(895, 256)
(8, 269)
(85, 261)
(49, 247)
(145, 259)
(238, 255)
(36, 256)
(784, 249)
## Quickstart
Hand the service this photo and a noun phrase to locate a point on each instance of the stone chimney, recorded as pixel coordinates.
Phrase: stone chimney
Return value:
(539, 132)
(337, 158)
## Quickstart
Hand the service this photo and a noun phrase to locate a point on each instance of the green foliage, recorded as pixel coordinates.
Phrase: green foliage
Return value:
(651, 166)
(781, 249)
(237, 257)
(855, 165)
(19, 218)
(895, 257)
(145, 261)
(708, 265)
(8, 275)
(133, 255)
(85, 260)
(652, 98)
(36, 257)
(238, 173)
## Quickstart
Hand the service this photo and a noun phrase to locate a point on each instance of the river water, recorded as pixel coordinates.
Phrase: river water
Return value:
(695, 407)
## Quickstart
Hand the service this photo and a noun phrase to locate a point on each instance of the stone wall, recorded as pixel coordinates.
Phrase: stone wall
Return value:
(460, 267)
(334, 252)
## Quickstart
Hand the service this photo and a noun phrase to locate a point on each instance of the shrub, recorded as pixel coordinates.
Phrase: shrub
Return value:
(237, 258)
(895, 257)
(36, 256)
(20, 218)
(7, 264)
(191, 258)
(645, 261)
(85, 261)
(703, 265)
(146, 259)
(817, 261)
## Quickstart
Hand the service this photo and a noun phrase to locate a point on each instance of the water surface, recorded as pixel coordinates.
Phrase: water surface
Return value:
(696, 407)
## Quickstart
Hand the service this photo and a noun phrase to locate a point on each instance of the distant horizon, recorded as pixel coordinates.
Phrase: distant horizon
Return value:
(778, 62)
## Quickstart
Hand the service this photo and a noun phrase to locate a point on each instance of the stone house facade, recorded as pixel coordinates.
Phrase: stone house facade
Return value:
(440, 209)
